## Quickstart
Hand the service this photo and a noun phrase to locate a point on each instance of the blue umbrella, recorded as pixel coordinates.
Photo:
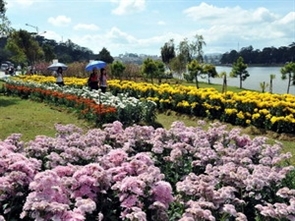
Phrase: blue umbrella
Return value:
(95, 64)
(55, 66)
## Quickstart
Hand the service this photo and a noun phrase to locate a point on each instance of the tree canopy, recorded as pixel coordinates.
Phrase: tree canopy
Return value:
(266, 56)
(288, 72)
(239, 69)
(104, 55)
(168, 52)
(4, 22)
(24, 48)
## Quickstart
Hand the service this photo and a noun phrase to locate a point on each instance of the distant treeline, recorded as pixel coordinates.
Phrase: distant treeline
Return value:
(266, 56)
(66, 52)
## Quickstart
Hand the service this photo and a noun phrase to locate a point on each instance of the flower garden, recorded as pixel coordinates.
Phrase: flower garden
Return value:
(122, 170)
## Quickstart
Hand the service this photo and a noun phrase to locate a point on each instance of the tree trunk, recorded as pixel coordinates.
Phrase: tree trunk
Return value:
(197, 82)
(224, 85)
(240, 81)
(289, 83)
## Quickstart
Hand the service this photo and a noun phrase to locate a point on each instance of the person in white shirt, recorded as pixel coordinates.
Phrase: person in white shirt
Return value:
(59, 77)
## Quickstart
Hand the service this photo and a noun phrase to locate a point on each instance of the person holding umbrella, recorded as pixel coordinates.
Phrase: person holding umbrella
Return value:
(93, 79)
(58, 69)
(103, 80)
(59, 77)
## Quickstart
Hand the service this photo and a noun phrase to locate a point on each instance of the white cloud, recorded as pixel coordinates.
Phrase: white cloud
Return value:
(117, 36)
(117, 41)
(263, 15)
(288, 19)
(161, 23)
(60, 20)
(222, 27)
(128, 6)
(213, 15)
(90, 27)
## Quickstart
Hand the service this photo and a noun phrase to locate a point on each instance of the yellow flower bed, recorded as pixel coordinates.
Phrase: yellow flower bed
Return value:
(271, 111)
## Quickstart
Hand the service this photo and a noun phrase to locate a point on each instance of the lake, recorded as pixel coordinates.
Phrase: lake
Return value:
(257, 76)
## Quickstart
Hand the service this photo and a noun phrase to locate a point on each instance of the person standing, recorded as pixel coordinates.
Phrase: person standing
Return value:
(103, 80)
(59, 77)
(93, 79)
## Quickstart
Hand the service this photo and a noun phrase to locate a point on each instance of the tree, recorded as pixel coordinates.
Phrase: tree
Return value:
(272, 76)
(160, 70)
(195, 69)
(247, 54)
(24, 48)
(288, 71)
(178, 64)
(239, 69)
(263, 86)
(4, 22)
(168, 52)
(210, 71)
(49, 54)
(104, 55)
(197, 48)
(149, 68)
(132, 71)
(184, 50)
(224, 83)
(117, 69)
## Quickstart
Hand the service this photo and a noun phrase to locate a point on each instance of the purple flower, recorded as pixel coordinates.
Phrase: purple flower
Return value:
(117, 156)
(84, 205)
(162, 192)
(135, 214)
(129, 201)
(230, 209)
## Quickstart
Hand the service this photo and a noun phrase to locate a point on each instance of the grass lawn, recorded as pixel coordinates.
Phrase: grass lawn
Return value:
(32, 118)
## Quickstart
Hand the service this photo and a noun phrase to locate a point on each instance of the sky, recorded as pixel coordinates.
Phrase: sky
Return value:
(144, 26)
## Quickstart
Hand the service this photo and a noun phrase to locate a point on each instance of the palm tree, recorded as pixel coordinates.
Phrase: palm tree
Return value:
(272, 76)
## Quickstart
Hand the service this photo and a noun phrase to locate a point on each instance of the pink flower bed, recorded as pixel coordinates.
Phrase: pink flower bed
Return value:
(143, 173)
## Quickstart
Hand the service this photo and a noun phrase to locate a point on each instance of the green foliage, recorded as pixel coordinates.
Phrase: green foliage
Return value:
(210, 71)
(239, 69)
(263, 86)
(195, 69)
(104, 55)
(288, 72)
(132, 71)
(2, 7)
(189, 78)
(185, 51)
(24, 47)
(168, 51)
(150, 68)
(266, 56)
(192, 50)
(118, 69)
(178, 64)
(197, 48)
(49, 54)
(160, 70)
(4, 22)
